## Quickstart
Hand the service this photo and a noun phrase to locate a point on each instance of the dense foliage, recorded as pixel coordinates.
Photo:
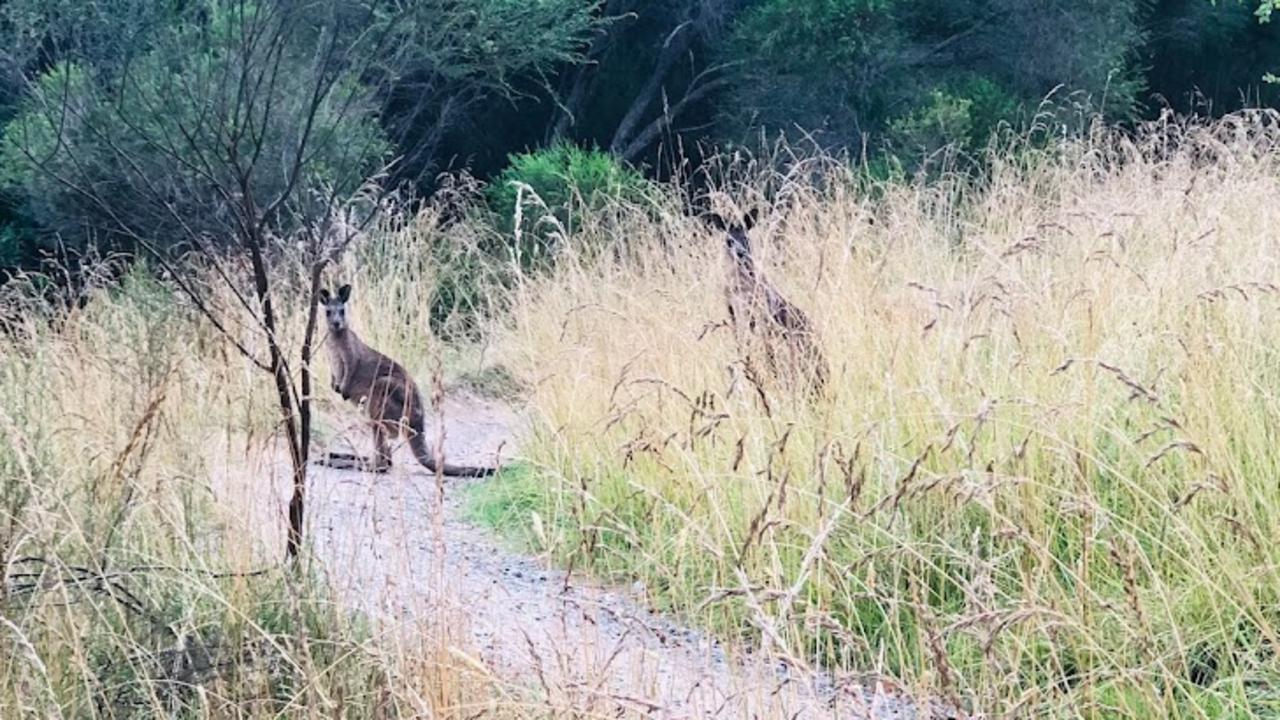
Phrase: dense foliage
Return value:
(544, 190)
(540, 199)
(468, 85)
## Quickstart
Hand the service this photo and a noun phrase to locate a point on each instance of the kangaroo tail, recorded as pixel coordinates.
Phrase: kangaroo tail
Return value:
(418, 443)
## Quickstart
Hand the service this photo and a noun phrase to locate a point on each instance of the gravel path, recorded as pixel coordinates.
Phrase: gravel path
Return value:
(390, 549)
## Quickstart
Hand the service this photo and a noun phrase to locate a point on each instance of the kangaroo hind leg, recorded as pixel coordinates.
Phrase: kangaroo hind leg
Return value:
(376, 406)
(386, 411)
(381, 449)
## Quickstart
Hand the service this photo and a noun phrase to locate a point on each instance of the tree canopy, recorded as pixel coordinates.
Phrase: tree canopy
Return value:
(89, 86)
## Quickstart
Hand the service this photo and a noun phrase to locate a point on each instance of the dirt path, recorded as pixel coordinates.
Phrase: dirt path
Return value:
(576, 644)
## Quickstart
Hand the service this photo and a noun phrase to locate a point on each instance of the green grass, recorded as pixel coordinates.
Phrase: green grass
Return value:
(507, 503)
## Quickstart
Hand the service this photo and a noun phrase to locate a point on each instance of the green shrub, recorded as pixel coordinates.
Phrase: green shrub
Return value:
(965, 115)
(10, 246)
(545, 191)
(533, 206)
(944, 119)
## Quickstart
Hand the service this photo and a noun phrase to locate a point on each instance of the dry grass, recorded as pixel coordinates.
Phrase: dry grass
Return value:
(1044, 484)
(127, 591)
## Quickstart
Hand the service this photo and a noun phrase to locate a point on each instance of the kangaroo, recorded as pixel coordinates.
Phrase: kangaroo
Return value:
(361, 374)
(759, 312)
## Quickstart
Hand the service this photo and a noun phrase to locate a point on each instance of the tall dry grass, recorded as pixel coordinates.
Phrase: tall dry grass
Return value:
(1044, 483)
(132, 584)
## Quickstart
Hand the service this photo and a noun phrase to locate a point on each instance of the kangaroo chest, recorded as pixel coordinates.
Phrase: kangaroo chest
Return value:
(337, 361)
(755, 304)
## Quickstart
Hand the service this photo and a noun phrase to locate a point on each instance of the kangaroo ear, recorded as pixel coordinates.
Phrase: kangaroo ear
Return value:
(749, 220)
(344, 293)
(324, 296)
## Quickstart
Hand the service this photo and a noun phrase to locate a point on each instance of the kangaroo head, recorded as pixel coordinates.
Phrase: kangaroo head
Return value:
(736, 240)
(335, 308)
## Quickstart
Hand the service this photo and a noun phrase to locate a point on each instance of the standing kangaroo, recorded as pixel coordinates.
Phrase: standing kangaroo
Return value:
(759, 313)
(391, 398)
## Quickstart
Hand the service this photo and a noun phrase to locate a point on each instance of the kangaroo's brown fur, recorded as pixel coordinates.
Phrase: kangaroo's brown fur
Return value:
(761, 315)
(390, 397)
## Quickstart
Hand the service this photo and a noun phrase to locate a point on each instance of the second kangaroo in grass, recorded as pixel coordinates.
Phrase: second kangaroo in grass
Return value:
(761, 315)
(390, 397)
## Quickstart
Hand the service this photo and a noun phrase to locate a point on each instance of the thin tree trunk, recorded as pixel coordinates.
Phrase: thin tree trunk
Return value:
(645, 137)
(306, 382)
(280, 371)
(677, 43)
